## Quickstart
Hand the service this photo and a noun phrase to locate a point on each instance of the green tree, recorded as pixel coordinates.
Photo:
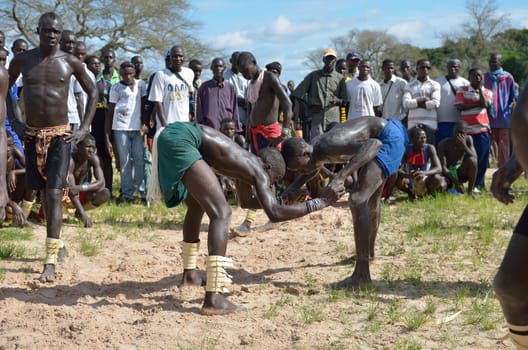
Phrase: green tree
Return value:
(514, 49)
(474, 44)
(130, 26)
(372, 45)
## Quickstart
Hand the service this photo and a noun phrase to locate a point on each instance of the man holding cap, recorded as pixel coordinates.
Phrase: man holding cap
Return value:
(322, 92)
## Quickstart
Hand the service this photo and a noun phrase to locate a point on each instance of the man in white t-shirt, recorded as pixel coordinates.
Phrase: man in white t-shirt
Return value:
(171, 90)
(363, 93)
(125, 103)
(447, 113)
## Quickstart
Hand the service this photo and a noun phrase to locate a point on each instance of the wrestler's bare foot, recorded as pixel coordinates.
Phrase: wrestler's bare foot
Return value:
(2, 214)
(359, 279)
(48, 274)
(267, 226)
(352, 283)
(191, 278)
(241, 230)
(217, 304)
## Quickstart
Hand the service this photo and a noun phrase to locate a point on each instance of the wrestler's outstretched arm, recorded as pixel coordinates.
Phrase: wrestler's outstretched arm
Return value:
(278, 212)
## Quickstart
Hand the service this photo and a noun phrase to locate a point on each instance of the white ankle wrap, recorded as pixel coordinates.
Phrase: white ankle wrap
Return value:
(52, 250)
(189, 254)
(26, 207)
(520, 341)
(217, 277)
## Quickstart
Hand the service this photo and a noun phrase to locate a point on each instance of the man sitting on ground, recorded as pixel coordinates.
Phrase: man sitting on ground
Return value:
(420, 172)
(85, 196)
(459, 159)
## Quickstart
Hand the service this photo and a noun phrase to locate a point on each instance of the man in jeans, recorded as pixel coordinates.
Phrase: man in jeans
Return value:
(125, 105)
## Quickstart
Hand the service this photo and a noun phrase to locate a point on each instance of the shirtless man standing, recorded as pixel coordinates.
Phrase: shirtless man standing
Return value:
(266, 98)
(46, 71)
(185, 154)
(510, 283)
(371, 149)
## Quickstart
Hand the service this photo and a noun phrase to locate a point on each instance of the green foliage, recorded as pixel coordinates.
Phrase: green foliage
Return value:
(90, 246)
(10, 250)
(132, 26)
(414, 319)
(312, 315)
(274, 308)
(15, 233)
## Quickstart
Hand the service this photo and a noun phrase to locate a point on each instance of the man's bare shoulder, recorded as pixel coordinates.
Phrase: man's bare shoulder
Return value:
(94, 161)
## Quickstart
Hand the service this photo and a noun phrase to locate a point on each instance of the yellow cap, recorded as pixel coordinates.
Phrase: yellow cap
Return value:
(330, 52)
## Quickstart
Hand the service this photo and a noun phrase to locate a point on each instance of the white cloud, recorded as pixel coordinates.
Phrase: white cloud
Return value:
(282, 26)
(407, 31)
(231, 40)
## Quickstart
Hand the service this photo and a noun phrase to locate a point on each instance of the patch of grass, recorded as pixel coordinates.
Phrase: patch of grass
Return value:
(430, 307)
(459, 297)
(388, 273)
(15, 233)
(310, 280)
(481, 312)
(335, 295)
(89, 245)
(2, 274)
(336, 345)
(312, 315)
(373, 311)
(394, 312)
(274, 308)
(140, 216)
(414, 319)
(10, 250)
(408, 344)
(206, 344)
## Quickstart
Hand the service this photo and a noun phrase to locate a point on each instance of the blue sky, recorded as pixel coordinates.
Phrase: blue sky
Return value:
(285, 31)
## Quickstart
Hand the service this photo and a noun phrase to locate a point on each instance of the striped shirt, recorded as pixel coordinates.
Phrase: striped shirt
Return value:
(417, 89)
(476, 118)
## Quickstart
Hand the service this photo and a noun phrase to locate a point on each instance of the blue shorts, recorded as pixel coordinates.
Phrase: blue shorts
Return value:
(394, 140)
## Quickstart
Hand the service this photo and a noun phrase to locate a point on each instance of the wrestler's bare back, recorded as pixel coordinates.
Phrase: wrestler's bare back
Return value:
(46, 84)
(344, 140)
(228, 158)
